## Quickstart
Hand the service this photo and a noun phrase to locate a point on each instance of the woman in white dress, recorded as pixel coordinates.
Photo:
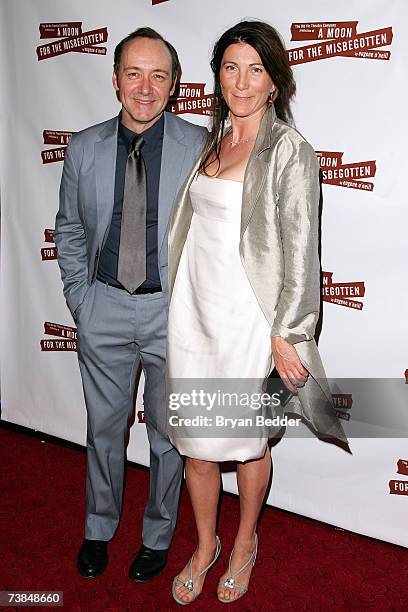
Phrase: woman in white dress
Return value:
(244, 283)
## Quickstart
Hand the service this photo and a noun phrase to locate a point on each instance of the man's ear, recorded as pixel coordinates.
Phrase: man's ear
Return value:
(115, 82)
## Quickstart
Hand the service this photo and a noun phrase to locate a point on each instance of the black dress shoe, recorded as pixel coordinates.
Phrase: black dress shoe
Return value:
(148, 564)
(92, 558)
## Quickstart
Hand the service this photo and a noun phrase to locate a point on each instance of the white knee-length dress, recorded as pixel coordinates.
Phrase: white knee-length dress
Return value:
(216, 329)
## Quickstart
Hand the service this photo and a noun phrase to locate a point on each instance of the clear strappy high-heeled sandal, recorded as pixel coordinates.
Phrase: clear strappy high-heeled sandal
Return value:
(230, 581)
(189, 583)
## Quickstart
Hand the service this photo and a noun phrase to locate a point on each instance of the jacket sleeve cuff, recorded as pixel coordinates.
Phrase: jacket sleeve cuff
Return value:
(291, 336)
(76, 296)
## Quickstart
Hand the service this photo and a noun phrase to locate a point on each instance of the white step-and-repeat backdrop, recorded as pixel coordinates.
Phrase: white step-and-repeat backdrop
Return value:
(350, 61)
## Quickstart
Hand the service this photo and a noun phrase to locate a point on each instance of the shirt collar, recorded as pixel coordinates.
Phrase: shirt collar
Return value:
(151, 136)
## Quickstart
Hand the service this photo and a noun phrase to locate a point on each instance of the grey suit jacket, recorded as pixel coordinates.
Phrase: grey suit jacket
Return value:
(279, 252)
(87, 197)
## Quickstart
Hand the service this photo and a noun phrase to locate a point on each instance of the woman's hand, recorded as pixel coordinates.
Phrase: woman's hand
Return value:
(288, 364)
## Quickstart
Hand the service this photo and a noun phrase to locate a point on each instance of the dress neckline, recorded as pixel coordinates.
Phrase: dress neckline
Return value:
(220, 178)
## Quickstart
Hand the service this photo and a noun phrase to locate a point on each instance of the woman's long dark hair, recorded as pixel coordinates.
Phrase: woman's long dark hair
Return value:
(267, 42)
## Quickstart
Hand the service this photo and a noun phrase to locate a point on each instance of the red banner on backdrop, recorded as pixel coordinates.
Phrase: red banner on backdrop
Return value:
(398, 487)
(58, 345)
(70, 37)
(192, 99)
(323, 30)
(48, 235)
(60, 30)
(55, 137)
(402, 466)
(62, 331)
(342, 403)
(334, 172)
(343, 41)
(66, 340)
(49, 253)
(201, 106)
(340, 293)
(53, 155)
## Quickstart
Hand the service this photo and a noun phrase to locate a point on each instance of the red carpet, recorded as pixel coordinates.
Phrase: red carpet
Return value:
(302, 564)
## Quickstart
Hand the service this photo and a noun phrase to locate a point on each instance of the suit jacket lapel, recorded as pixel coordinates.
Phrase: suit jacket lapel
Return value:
(256, 170)
(105, 169)
(173, 156)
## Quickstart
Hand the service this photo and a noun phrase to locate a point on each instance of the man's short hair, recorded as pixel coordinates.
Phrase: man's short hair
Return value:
(152, 34)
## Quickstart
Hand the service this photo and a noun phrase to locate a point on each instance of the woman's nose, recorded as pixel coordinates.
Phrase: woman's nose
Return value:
(242, 80)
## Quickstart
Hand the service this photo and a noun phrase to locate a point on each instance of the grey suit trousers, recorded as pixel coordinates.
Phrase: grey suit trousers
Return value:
(117, 332)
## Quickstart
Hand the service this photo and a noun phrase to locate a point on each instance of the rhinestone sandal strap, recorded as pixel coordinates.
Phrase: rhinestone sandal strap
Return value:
(189, 583)
(241, 569)
(181, 582)
(216, 555)
(232, 585)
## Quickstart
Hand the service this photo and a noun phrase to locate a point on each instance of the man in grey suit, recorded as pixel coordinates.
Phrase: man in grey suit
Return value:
(118, 185)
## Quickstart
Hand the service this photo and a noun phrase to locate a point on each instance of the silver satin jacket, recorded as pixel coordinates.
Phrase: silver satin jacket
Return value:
(279, 252)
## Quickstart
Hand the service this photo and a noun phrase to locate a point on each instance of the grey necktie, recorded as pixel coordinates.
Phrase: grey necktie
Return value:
(132, 246)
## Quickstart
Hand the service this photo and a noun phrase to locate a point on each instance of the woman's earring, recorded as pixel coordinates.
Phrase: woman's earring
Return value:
(271, 97)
